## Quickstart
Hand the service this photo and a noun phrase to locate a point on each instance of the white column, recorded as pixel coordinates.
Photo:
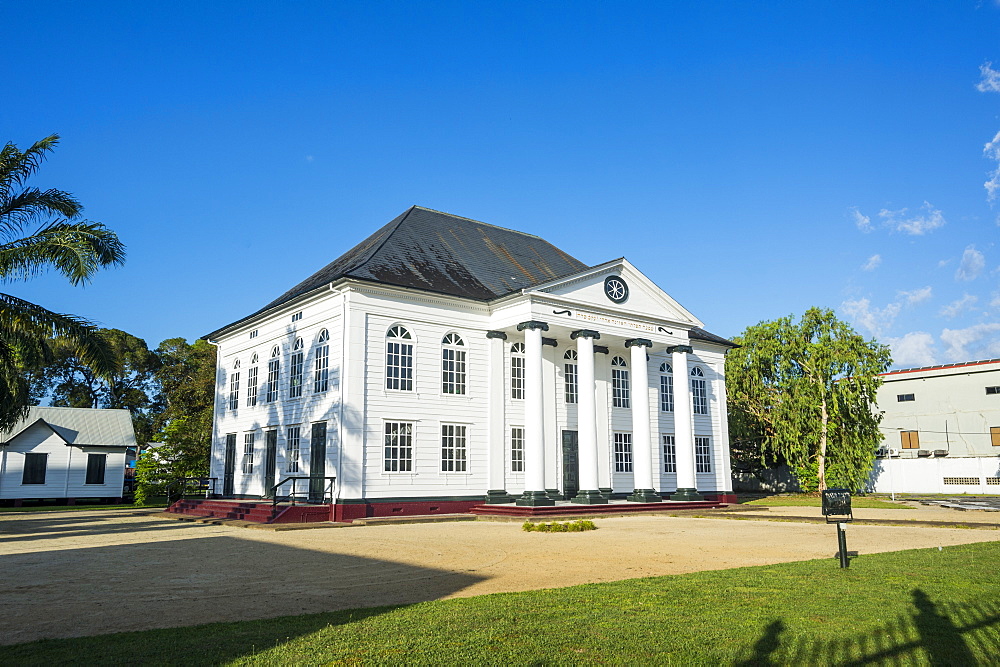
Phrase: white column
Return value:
(590, 493)
(497, 492)
(687, 487)
(534, 417)
(642, 447)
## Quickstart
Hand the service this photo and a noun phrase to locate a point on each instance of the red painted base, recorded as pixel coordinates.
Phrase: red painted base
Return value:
(590, 510)
(408, 508)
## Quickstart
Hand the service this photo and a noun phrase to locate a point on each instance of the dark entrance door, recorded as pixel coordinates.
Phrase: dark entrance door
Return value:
(270, 460)
(571, 464)
(317, 463)
(229, 471)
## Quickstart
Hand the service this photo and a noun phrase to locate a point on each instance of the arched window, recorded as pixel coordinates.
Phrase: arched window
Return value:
(666, 388)
(273, 366)
(234, 386)
(252, 382)
(699, 391)
(398, 359)
(295, 369)
(619, 383)
(453, 364)
(570, 376)
(321, 367)
(517, 370)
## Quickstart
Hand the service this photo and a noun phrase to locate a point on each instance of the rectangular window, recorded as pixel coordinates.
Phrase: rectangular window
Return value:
(251, 386)
(669, 453)
(570, 381)
(620, 388)
(702, 454)
(398, 365)
(321, 374)
(517, 377)
(904, 398)
(234, 391)
(272, 380)
(96, 464)
(452, 371)
(398, 447)
(516, 449)
(292, 444)
(253, 334)
(297, 316)
(453, 448)
(699, 396)
(34, 468)
(995, 435)
(623, 452)
(295, 376)
(910, 439)
(666, 393)
(992, 390)
(248, 453)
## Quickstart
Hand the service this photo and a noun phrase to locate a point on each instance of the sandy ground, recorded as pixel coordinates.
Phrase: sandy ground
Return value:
(80, 573)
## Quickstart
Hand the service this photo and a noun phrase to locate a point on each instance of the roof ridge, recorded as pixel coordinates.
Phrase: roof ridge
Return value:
(374, 251)
(478, 222)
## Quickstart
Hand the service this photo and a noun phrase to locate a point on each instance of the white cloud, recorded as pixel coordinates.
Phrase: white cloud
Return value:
(971, 265)
(959, 306)
(992, 151)
(917, 295)
(968, 344)
(875, 320)
(914, 349)
(917, 225)
(995, 300)
(872, 263)
(943, 263)
(862, 221)
(989, 81)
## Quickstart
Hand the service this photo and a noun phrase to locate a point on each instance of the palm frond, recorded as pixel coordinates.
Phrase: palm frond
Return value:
(17, 166)
(17, 209)
(74, 249)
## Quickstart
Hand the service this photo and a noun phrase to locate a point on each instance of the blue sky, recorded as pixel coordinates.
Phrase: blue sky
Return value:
(753, 159)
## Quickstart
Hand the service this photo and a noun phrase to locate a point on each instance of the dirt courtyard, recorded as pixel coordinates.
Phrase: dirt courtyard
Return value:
(79, 573)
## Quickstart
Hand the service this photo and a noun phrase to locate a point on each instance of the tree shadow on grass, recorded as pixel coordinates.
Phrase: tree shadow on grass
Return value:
(957, 634)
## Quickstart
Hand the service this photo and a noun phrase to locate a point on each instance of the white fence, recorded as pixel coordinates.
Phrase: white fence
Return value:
(971, 475)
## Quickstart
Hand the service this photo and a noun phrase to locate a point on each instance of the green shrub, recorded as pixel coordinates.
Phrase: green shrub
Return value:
(577, 526)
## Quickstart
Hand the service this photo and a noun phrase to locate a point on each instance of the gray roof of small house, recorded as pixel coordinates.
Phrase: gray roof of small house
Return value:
(700, 334)
(80, 426)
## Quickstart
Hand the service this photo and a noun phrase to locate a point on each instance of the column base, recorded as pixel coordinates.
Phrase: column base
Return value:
(535, 499)
(589, 498)
(606, 492)
(555, 494)
(644, 496)
(498, 497)
(686, 495)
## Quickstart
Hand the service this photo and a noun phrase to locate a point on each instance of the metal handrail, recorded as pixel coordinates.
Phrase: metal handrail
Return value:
(274, 489)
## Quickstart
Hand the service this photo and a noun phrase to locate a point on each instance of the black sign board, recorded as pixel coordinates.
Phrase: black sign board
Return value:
(837, 504)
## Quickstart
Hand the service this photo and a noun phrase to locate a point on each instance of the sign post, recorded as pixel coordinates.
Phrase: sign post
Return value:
(837, 504)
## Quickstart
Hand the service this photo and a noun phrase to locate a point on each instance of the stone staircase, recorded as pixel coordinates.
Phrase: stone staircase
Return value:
(251, 510)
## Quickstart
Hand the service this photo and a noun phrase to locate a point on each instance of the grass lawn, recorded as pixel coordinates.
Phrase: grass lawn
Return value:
(910, 607)
(803, 500)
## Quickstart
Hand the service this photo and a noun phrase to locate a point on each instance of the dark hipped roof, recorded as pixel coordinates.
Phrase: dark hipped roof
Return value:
(700, 334)
(443, 253)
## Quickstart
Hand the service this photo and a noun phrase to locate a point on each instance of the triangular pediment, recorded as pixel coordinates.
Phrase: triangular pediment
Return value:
(643, 298)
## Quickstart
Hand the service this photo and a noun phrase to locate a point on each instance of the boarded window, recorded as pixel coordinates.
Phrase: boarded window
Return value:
(910, 439)
(34, 469)
(96, 463)
(992, 390)
(995, 435)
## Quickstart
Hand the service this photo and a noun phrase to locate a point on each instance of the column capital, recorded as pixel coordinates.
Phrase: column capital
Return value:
(551, 342)
(496, 334)
(585, 333)
(603, 349)
(680, 348)
(638, 342)
(532, 324)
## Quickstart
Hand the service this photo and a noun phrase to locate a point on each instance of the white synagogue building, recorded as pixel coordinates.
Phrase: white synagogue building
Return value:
(445, 363)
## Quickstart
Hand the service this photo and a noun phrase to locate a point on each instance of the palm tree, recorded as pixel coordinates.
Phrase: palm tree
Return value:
(60, 240)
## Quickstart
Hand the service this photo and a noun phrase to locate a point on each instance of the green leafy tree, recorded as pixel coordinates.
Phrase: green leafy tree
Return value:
(41, 230)
(131, 385)
(186, 377)
(804, 392)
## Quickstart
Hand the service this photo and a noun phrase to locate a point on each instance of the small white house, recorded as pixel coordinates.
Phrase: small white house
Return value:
(444, 362)
(941, 429)
(65, 454)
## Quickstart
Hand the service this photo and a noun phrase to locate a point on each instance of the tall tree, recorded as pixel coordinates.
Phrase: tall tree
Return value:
(805, 392)
(41, 230)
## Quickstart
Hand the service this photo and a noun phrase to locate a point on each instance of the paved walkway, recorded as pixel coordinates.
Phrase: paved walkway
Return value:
(84, 572)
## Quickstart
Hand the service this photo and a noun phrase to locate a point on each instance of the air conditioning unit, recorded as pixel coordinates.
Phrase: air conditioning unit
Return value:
(883, 452)
(940, 452)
